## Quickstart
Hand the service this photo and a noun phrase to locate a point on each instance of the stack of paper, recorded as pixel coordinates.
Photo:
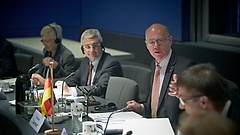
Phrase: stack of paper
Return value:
(116, 121)
(156, 126)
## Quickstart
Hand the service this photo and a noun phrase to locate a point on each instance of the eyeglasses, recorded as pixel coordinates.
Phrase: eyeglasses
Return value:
(46, 41)
(96, 45)
(158, 41)
(184, 100)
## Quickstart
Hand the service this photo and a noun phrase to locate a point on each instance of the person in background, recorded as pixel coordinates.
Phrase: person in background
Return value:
(205, 123)
(55, 51)
(159, 43)
(202, 88)
(8, 67)
(95, 69)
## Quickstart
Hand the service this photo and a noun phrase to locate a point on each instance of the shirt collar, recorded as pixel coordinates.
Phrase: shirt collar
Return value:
(95, 63)
(164, 62)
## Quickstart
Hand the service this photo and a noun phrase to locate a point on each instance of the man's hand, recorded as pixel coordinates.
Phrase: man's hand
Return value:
(66, 89)
(46, 61)
(37, 79)
(173, 90)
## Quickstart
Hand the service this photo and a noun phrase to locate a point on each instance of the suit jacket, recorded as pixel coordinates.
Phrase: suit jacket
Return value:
(8, 66)
(168, 105)
(107, 66)
(65, 59)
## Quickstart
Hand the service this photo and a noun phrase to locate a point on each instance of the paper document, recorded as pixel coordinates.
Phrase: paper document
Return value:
(155, 126)
(116, 122)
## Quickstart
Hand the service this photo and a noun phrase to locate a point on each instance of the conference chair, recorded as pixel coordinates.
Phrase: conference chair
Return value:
(121, 89)
(234, 92)
(142, 76)
(78, 62)
(24, 63)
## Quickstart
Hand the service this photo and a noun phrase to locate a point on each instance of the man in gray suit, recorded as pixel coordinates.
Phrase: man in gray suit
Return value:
(103, 66)
(158, 42)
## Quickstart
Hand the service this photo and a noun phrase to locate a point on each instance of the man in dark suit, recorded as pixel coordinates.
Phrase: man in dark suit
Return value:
(202, 88)
(8, 66)
(103, 66)
(159, 42)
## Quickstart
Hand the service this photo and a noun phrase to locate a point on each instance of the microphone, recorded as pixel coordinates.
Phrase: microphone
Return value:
(117, 111)
(73, 73)
(129, 132)
(121, 110)
(34, 67)
(87, 90)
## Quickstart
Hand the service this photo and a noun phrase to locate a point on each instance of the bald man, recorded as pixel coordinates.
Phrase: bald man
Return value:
(159, 41)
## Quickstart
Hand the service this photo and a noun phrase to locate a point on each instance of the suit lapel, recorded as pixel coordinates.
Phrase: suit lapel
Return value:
(167, 78)
(99, 67)
(85, 72)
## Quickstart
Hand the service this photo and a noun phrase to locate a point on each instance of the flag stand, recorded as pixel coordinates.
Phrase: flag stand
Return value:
(52, 131)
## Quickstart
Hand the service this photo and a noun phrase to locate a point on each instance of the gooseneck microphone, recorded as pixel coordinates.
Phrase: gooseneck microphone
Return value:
(73, 73)
(34, 67)
(117, 111)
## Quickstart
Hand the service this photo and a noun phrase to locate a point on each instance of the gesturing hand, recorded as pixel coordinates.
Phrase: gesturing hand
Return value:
(173, 90)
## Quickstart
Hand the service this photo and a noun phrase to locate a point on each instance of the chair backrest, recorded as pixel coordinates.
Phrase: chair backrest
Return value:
(78, 62)
(24, 62)
(234, 92)
(142, 76)
(121, 89)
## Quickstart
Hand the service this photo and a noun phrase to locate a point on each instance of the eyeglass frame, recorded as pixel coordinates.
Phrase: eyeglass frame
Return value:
(46, 41)
(158, 41)
(183, 101)
(94, 45)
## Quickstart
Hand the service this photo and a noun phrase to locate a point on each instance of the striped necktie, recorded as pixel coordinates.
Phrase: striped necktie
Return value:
(90, 74)
(155, 91)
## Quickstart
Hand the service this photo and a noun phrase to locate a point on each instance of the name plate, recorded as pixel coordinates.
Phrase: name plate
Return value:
(36, 121)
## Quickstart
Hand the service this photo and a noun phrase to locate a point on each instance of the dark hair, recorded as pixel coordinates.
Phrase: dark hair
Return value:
(204, 79)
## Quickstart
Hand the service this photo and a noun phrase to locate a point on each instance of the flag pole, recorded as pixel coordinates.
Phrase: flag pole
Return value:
(53, 131)
(52, 99)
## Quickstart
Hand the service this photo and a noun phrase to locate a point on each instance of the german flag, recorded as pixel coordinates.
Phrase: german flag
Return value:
(46, 107)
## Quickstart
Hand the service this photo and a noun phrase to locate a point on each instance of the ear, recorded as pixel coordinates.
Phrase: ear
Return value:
(170, 38)
(204, 102)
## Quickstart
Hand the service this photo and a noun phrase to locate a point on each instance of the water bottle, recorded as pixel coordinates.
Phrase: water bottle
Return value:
(22, 84)
(76, 123)
(76, 111)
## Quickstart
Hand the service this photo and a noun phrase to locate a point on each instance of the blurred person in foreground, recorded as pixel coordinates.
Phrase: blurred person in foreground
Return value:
(159, 44)
(202, 88)
(205, 123)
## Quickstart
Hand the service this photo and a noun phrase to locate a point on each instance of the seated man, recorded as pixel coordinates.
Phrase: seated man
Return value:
(55, 51)
(8, 67)
(95, 69)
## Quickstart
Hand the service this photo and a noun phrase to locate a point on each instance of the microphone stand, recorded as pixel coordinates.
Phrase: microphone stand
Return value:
(86, 93)
(117, 111)
(63, 87)
(30, 70)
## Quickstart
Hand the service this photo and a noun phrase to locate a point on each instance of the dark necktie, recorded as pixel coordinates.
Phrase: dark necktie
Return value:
(90, 74)
(155, 91)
